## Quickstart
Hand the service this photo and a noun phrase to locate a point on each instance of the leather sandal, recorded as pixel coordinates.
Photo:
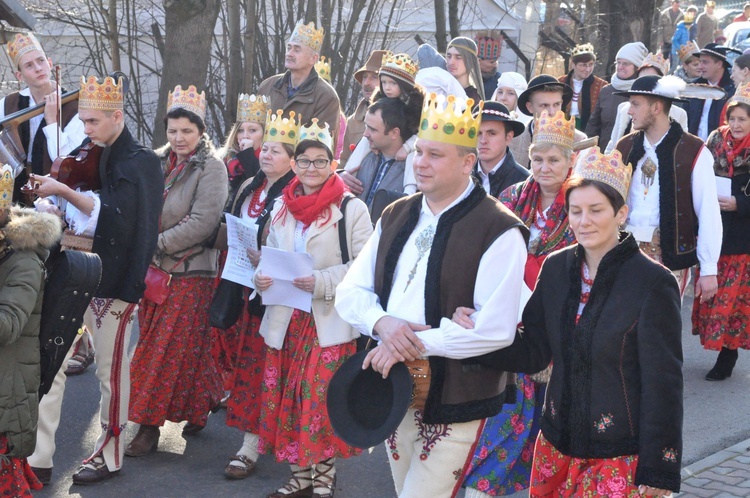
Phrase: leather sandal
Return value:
(239, 471)
(323, 480)
(294, 487)
(145, 441)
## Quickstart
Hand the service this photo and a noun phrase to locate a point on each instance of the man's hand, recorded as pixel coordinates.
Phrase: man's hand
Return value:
(355, 186)
(399, 337)
(381, 360)
(45, 186)
(50, 108)
(462, 316)
(706, 287)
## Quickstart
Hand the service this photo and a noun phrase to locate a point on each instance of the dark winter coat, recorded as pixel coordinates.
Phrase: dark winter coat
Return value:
(616, 384)
(694, 107)
(506, 175)
(30, 235)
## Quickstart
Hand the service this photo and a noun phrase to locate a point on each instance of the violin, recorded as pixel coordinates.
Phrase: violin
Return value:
(80, 171)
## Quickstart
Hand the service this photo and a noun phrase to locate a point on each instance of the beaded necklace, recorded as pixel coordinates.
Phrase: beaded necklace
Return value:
(255, 208)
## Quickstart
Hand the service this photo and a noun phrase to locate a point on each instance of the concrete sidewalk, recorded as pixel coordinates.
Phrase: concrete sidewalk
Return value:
(725, 474)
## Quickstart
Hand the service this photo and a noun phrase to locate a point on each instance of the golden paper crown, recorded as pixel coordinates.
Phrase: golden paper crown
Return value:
(104, 96)
(689, 18)
(450, 120)
(315, 132)
(21, 45)
(608, 169)
(306, 34)
(252, 108)
(189, 99)
(585, 48)
(489, 45)
(399, 66)
(657, 61)
(687, 50)
(710, 3)
(742, 95)
(324, 69)
(284, 130)
(554, 130)
(6, 186)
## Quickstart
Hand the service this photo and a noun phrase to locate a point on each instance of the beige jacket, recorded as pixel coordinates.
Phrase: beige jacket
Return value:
(328, 270)
(199, 194)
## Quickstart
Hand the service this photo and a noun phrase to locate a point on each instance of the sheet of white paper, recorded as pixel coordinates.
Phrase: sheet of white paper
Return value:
(723, 186)
(241, 236)
(283, 267)
(641, 234)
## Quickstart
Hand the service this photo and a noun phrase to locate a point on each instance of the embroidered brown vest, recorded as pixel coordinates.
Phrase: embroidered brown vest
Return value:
(678, 222)
(460, 390)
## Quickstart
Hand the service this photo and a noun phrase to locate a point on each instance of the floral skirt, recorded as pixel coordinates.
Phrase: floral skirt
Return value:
(172, 373)
(557, 475)
(243, 407)
(294, 424)
(16, 477)
(721, 321)
(501, 464)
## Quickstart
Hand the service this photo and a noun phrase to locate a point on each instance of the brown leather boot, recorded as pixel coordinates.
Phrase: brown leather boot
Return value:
(144, 442)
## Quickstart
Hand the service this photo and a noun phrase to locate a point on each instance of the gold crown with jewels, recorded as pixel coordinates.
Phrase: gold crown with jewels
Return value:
(188, 99)
(687, 50)
(450, 120)
(315, 132)
(284, 130)
(399, 66)
(252, 108)
(105, 96)
(6, 186)
(582, 49)
(20, 45)
(323, 68)
(742, 95)
(606, 168)
(554, 129)
(657, 61)
(307, 35)
(689, 18)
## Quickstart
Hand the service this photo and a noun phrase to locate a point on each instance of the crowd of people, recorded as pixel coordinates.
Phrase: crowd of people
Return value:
(523, 247)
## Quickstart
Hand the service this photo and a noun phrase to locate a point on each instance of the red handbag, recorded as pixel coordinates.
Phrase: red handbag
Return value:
(158, 282)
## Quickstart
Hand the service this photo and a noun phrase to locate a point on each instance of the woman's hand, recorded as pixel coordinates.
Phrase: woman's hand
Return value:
(246, 143)
(462, 316)
(727, 203)
(306, 284)
(649, 491)
(401, 154)
(262, 282)
(254, 257)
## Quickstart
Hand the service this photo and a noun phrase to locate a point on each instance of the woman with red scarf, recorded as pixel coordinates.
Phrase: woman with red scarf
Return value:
(502, 461)
(721, 321)
(305, 349)
(173, 376)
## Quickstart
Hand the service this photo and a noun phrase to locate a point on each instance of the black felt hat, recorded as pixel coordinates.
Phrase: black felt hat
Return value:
(495, 111)
(720, 52)
(364, 408)
(539, 81)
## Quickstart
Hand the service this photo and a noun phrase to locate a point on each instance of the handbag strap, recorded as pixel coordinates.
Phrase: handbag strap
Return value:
(342, 230)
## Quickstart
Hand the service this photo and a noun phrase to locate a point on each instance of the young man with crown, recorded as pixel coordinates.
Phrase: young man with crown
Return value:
(674, 209)
(39, 134)
(448, 246)
(120, 223)
(300, 88)
(586, 86)
(489, 46)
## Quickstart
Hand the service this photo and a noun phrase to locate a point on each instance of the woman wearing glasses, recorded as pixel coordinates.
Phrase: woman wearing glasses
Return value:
(305, 349)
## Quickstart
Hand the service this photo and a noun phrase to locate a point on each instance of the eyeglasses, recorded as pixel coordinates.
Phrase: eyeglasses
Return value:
(319, 163)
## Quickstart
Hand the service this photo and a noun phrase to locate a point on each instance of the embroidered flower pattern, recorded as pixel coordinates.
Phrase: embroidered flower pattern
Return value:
(669, 455)
(604, 423)
(430, 433)
(391, 444)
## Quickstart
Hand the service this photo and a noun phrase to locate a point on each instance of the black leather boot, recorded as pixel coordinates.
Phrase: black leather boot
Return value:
(724, 365)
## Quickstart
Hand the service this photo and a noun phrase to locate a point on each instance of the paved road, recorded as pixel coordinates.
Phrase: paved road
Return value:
(715, 418)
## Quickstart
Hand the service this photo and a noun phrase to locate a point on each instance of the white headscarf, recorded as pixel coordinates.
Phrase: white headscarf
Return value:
(439, 81)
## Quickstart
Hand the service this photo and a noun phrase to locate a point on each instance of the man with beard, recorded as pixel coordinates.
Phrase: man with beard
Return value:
(673, 205)
(367, 76)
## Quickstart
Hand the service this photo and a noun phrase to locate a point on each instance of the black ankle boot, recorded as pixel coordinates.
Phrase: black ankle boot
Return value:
(724, 365)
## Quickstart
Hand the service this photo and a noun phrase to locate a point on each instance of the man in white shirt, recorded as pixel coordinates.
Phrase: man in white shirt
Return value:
(673, 190)
(704, 115)
(39, 135)
(448, 247)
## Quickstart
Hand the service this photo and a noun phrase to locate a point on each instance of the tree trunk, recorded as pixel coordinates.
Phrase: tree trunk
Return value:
(112, 31)
(638, 16)
(251, 12)
(453, 19)
(188, 26)
(440, 34)
(234, 85)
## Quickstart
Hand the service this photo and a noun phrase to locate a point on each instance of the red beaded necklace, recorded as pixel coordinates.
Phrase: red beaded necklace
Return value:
(256, 206)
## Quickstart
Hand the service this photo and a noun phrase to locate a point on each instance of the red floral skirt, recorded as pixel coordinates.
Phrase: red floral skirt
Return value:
(243, 407)
(556, 475)
(721, 321)
(16, 477)
(294, 423)
(172, 374)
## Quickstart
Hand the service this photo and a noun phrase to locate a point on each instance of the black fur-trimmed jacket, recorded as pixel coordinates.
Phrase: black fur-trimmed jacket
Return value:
(616, 383)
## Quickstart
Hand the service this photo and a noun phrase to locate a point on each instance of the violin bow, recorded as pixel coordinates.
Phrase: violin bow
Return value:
(58, 94)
